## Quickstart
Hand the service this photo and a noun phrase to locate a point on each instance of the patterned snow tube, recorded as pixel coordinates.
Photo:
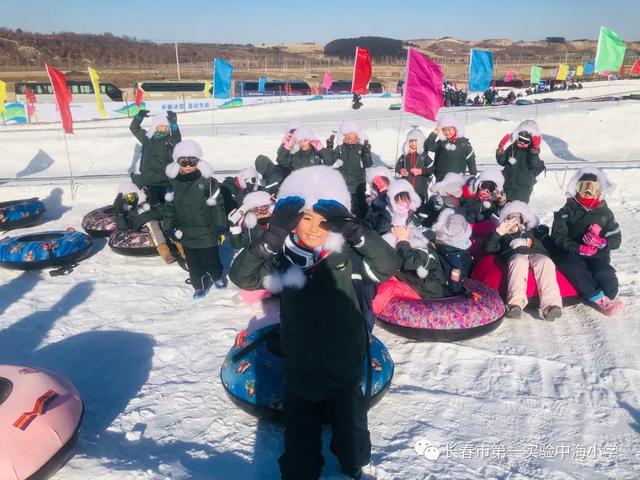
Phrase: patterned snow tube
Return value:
(446, 319)
(492, 272)
(20, 213)
(43, 250)
(100, 222)
(252, 373)
(133, 243)
(40, 416)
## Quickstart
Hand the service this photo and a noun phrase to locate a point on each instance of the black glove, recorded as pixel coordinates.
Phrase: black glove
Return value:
(142, 113)
(366, 148)
(172, 117)
(285, 217)
(118, 204)
(331, 142)
(340, 220)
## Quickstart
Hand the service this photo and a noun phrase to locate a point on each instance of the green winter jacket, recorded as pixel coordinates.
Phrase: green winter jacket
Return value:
(302, 158)
(457, 160)
(156, 155)
(519, 176)
(135, 219)
(323, 334)
(190, 213)
(421, 182)
(572, 221)
(421, 270)
(272, 175)
(501, 245)
(353, 165)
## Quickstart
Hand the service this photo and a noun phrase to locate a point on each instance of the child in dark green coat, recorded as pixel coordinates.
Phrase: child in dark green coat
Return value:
(194, 215)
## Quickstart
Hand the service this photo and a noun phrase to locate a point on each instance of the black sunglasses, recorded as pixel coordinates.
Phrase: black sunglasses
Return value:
(489, 186)
(188, 161)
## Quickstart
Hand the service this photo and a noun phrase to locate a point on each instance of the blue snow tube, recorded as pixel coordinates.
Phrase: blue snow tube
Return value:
(252, 373)
(42, 250)
(20, 213)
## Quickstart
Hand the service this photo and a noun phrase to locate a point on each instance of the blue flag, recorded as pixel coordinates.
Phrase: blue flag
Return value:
(589, 67)
(262, 81)
(222, 78)
(480, 70)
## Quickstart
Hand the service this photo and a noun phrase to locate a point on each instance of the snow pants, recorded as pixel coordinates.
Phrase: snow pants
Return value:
(346, 410)
(204, 266)
(544, 271)
(589, 275)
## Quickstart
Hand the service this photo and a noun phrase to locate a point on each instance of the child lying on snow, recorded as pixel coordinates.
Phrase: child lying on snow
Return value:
(516, 243)
(584, 232)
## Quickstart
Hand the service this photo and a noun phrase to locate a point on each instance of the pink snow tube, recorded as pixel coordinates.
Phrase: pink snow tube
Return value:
(476, 312)
(480, 233)
(40, 414)
(254, 296)
(491, 271)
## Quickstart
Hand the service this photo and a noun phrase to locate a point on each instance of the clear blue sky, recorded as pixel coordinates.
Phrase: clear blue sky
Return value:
(275, 21)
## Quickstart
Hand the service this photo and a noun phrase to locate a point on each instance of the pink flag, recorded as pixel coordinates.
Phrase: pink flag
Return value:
(509, 76)
(327, 81)
(423, 86)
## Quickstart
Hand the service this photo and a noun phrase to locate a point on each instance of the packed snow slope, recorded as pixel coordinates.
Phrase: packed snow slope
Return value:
(530, 400)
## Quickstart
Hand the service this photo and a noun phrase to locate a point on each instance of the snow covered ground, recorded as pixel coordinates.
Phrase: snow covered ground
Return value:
(530, 400)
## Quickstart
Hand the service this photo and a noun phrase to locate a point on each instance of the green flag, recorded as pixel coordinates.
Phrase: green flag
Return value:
(610, 52)
(535, 74)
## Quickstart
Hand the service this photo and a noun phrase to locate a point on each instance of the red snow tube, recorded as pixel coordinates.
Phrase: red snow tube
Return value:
(493, 272)
(480, 233)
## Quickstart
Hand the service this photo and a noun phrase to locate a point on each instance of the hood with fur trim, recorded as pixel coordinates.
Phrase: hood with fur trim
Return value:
(522, 208)
(379, 171)
(157, 120)
(417, 135)
(316, 183)
(253, 200)
(529, 126)
(606, 186)
(173, 169)
(245, 176)
(142, 206)
(349, 126)
(451, 228)
(450, 185)
(401, 185)
(302, 133)
(292, 126)
(417, 238)
(489, 174)
(187, 148)
(449, 120)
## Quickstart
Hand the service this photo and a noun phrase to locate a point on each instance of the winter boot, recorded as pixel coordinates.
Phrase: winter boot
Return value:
(609, 307)
(200, 294)
(221, 283)
(513, 311)
(551, 313)
(165, 253)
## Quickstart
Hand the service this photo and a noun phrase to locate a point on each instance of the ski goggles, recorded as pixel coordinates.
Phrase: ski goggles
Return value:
(588, 187)
(488, 186)
(188, 161)
(130, 198)
(519, 219)
(524, 139)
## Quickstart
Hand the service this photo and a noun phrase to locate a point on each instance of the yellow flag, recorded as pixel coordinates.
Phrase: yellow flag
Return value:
(563, 71)
(95, 81)
(3, 95)
(207, 87)
(579, 71)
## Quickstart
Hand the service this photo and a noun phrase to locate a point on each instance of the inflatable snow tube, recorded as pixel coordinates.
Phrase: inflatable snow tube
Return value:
(46, 249)
(493, 272)
(20, 213)
(459, 317)
(133, 243)
(40, 416)
(480, 233)
(252, 373)
(100, 222)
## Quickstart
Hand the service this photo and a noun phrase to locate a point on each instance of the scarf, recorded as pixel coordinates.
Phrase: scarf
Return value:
(588, 203)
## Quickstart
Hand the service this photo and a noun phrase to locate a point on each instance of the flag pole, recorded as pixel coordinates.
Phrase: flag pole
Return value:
(404, 96)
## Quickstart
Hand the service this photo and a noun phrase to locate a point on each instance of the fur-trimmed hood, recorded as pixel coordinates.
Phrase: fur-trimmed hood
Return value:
(417, 238)
(417, 135)
(173, 169)
(449, 120)
(253, 200)
(157, 120)
(489, 174)
(302, 133)
(349, 126)
(451, 228)
(522, 208)
(295, 125)
(187, 148)
(401, 185)
(450, 185)
(316, 183)
(529, 126)
(379, 171)
(606, 186)
(245, 176)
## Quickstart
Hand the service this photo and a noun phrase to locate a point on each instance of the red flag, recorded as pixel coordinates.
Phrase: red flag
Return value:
(139, 93)
(622, 69)
(361, 71)
(63, 97)
(635, 70)
(423, 86)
